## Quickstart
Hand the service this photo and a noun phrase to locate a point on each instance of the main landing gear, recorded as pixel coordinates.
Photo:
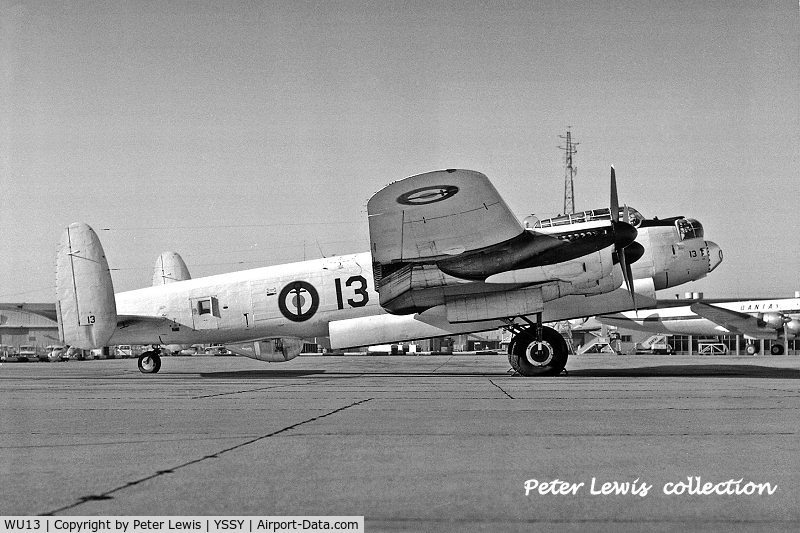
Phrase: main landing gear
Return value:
(150, 361)
(537, 350)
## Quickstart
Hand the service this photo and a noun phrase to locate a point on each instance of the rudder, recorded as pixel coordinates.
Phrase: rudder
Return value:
(87, 309)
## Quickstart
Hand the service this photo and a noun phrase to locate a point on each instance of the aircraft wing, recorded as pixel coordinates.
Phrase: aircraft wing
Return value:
(733, 321)
(438, 215)
(42, 309)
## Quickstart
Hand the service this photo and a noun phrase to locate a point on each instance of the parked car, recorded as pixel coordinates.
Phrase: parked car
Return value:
(126, 350)
(55, 352)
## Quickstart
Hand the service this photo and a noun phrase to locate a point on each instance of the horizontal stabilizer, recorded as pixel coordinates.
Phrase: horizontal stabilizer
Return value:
(86, 307)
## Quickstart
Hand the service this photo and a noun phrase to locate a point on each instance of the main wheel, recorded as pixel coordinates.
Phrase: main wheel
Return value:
(149, 363)
(776, 349)
(527, 359)
(751, 349)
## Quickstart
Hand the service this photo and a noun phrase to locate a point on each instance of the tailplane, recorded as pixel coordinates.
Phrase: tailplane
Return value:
(87, 309)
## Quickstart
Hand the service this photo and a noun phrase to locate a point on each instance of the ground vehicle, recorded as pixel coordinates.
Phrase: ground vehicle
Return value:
(54, 352)
(657, 344)
(125, 350)
(27, 352)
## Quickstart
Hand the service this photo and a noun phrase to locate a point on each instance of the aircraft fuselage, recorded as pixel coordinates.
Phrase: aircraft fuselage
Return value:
(302, 299)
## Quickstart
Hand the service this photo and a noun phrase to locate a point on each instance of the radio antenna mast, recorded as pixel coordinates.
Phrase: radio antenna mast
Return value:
(569, 172)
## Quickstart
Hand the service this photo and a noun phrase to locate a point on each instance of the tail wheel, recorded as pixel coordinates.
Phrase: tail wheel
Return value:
(776, 349)
(529, 359)
(149, 363)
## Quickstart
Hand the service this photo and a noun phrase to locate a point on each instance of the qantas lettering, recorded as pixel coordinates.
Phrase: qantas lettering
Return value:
(772, 306)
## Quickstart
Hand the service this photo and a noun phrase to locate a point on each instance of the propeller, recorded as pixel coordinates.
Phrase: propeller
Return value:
(624, 235)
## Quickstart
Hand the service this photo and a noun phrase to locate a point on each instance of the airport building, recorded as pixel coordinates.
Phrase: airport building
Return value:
(24, 328)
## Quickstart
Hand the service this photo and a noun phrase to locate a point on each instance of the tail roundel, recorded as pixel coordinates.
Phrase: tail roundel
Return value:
(87, 309)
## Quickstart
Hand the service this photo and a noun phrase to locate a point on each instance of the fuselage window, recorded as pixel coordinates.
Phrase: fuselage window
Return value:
(204, 307)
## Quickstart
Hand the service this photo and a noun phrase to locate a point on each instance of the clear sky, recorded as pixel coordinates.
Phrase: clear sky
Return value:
(244, 134)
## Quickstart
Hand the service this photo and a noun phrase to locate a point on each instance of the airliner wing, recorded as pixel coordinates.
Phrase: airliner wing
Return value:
(733, 321)
(438, 215)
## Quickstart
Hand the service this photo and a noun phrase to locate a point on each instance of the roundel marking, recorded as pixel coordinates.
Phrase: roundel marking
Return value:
(298, 301)
(427, 195)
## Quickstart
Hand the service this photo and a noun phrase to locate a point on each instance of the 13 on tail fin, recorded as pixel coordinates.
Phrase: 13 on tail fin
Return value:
(87, 310)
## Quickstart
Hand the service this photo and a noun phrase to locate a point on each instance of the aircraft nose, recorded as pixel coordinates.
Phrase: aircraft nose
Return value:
(714, 255)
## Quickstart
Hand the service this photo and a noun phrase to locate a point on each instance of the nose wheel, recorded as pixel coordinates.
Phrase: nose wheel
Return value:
(149, 362)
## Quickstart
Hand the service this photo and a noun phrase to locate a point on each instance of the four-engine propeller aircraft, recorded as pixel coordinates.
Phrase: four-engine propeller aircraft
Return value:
(447, 256)
(755, 319)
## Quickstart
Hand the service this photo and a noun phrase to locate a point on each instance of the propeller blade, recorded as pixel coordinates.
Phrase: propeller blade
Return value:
(627, 275)
(614, 198)
(624, 234)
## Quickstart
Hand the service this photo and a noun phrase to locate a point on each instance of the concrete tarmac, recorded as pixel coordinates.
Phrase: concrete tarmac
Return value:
(425, 443)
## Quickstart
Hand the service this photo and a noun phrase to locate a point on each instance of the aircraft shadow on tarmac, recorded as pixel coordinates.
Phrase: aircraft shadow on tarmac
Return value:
(691, 371)
(289, 374)
(688, 371)
(261, 374)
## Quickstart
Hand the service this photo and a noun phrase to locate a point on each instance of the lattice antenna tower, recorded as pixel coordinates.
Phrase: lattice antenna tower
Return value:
(569, 172)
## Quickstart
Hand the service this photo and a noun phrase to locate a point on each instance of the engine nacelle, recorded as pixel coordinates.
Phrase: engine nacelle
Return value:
(773, 320)
(793, 326)
(271, 350)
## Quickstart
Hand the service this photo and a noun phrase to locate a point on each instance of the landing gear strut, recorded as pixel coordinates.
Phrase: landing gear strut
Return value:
(537, 350)
(150, 361)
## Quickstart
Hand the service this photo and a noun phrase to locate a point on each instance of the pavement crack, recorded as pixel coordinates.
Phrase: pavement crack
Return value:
(107, 495)
(501, 389)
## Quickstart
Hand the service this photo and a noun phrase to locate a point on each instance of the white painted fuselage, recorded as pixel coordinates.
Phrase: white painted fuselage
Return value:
(253, 304)
(335, 297)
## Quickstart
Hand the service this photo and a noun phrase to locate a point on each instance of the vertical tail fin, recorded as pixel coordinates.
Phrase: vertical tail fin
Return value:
(87, 310)
(169, 268)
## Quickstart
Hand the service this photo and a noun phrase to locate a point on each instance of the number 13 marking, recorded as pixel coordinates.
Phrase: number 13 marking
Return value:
(360, 291)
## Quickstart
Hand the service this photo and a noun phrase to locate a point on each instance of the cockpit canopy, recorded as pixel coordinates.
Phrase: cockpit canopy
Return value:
(689, 228)
(635, 218)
